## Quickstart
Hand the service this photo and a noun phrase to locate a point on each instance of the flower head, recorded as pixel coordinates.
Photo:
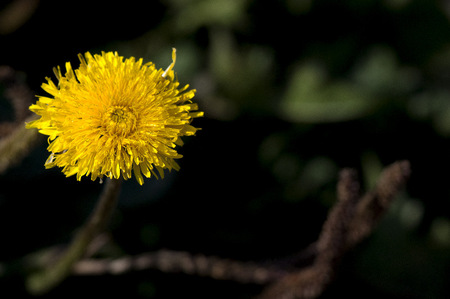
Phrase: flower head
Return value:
(111, 117)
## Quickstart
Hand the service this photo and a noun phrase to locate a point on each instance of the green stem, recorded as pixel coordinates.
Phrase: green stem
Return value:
(44, 281)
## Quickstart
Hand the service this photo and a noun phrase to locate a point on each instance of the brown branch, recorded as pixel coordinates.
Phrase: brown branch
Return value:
(331, 245)
(182, 262)
(332, 241)
(375, 202)
(348, 222)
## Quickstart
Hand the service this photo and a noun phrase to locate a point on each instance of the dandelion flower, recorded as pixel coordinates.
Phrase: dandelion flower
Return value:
(111, 117)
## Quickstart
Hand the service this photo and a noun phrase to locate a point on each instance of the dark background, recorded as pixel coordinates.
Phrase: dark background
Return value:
(292, 92)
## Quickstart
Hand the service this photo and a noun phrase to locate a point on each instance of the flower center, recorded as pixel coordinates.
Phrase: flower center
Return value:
(119, 120)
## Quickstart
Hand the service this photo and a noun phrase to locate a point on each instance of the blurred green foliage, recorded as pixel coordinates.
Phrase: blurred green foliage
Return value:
(292, 92)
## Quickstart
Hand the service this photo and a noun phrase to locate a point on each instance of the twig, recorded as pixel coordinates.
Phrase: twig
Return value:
(349, 221)
(331, 245)
(375, 202)
(182, 262)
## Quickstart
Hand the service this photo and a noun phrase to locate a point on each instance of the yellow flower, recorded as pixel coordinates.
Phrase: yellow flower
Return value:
(113, 116)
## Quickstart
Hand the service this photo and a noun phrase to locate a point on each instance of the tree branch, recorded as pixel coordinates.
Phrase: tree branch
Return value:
(348, 222)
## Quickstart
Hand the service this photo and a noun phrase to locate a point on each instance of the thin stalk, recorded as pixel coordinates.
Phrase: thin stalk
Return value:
(47, 279)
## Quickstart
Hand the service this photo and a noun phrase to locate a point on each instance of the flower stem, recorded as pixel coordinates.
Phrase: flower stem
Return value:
(44, 281)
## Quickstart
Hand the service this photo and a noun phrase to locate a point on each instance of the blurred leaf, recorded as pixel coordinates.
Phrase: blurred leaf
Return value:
(197, 13)
(380, 73)
(311, 98)
(242, 73)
